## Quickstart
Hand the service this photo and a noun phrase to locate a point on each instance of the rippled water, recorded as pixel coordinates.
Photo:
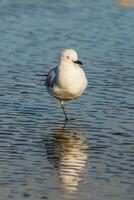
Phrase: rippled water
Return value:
(92, 155)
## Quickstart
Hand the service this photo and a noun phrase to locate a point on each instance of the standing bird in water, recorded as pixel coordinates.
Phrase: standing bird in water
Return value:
(68, 80)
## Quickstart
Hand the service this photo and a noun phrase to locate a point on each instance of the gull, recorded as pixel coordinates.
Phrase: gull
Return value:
(67, 81)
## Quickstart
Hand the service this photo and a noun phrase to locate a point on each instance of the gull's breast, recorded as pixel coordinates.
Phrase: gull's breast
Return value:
(71, 82)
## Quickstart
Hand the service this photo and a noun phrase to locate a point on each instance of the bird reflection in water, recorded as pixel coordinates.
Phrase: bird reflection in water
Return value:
(70, 153)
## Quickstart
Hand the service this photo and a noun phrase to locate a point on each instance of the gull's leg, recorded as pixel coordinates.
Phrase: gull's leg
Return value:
(63, 108)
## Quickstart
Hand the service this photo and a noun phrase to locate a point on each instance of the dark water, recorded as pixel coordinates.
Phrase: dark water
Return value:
(92, 157)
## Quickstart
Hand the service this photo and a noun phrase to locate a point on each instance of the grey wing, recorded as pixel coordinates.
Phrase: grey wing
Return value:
(51, 77)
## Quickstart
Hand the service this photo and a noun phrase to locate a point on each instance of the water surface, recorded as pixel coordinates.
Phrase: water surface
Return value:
(92, 155)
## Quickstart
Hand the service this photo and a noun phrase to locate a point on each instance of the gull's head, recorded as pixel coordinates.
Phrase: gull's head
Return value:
(70, 55)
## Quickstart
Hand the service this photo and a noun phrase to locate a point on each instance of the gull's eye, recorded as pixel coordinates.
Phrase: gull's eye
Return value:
(67, 57)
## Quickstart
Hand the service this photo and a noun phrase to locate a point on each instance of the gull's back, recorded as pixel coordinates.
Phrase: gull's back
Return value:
(51, 78)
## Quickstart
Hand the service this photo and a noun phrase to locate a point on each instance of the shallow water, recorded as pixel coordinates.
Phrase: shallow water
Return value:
(92, 155)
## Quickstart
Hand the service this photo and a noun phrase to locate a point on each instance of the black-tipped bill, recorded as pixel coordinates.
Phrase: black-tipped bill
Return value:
(78, 62)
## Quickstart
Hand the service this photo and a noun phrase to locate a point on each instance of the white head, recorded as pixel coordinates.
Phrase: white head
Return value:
(70, 55)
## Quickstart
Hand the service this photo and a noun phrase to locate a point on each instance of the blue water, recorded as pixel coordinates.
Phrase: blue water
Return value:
(92, 155)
